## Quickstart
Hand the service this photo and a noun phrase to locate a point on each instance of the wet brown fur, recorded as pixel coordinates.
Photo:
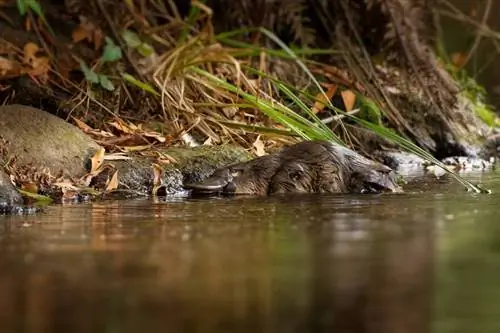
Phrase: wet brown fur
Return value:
(307, 167)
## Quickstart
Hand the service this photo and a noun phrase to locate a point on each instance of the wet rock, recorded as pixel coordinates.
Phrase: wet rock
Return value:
(11, 201)
(402, 162)
(491, 147)
(8, 192)
(190, 165)
(465, 163)
(38, 138)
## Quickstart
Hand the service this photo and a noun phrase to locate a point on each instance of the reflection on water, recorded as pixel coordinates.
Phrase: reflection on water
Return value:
(424, 261)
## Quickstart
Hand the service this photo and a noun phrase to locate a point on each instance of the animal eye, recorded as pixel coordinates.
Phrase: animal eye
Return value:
(294, 175)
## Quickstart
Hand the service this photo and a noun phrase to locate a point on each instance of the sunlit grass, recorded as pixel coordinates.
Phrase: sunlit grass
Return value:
(202, 73)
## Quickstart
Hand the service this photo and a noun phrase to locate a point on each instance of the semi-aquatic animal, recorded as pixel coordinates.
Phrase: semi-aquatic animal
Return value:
(306, 167)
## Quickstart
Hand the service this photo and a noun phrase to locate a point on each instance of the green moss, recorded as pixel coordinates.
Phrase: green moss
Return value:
(475, 93)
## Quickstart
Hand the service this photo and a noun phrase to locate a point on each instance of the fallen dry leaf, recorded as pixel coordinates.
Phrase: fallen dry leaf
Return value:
(81, 125)
(157, 175)
(65, 185)
(137, 130)
(97, 160)
(164, 158)
(320, 103)
(9, 69)
(459, 59)
(30, 50)
(259, 147)
(122, 126)
(157, 178)
(157, 136)
(112, 183)
(135, 148)
(116, 157)
(30, 187)
(349, 99)
(40, 65)
(88, 31)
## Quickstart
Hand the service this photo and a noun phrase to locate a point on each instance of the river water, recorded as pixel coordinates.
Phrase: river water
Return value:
(427, 260)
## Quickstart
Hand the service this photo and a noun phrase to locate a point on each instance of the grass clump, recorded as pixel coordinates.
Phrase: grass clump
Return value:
(245, 85)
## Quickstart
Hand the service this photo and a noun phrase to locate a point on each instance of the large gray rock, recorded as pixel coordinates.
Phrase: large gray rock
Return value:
(36, 137)
(39, 140)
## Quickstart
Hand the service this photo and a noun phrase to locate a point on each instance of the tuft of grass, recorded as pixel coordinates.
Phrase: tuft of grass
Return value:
(206, 73)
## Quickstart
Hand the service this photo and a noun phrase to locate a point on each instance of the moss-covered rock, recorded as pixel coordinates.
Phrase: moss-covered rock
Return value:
(38, 138)
(191, 165)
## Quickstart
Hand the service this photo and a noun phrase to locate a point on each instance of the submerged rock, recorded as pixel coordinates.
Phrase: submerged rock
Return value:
(307, 167)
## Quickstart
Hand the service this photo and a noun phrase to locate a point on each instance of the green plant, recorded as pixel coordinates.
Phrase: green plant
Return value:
(24, 6)
(111, 53)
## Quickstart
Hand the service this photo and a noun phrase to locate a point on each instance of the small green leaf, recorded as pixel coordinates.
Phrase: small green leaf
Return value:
(35, 6)
(111, 52)
(106, 83)
(21, 6)
(142, 85)
(145, 49)
(90, 75)
(131, 38)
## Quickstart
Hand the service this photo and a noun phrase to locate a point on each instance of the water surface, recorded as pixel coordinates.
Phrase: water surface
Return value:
(424, 261)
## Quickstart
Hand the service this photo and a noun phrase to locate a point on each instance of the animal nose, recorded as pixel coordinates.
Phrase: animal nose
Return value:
(215, 183)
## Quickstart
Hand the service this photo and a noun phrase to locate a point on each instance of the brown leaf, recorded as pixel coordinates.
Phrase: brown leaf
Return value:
(116, 157)
(320, 103)
(80, 33)
(157, 136)
(81, 125)
(88, 31)
(97, 160)
(157, 175)
(30, 50)
(40, 66)
(112, 184)
(459, 59)
(29, 187)
(121, 126)
(135, 148)
(349, 99)
(259, 147)
(9, 69)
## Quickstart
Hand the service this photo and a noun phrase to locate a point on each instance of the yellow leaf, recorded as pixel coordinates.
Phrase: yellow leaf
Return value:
(135, 148)
(349, 99)
(30, 50)
(112, 184)
(154, 135)
(121, 126)
(97, 160)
